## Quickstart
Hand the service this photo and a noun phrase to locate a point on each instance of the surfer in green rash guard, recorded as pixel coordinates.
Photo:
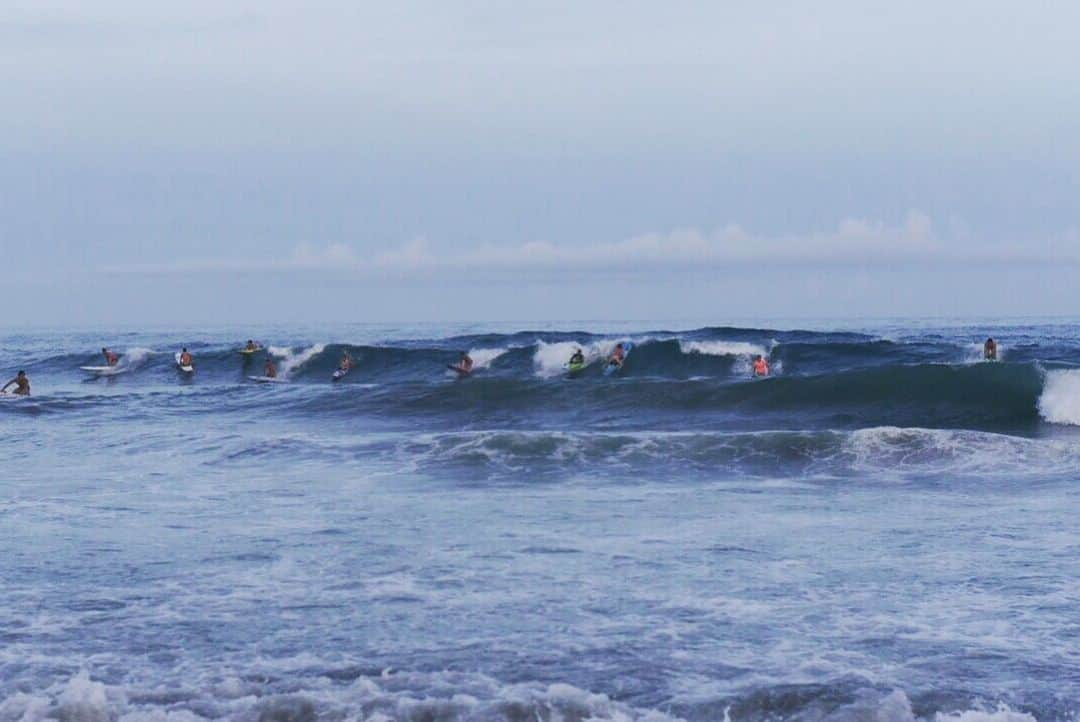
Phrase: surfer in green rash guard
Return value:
(578, 358)
(21, 384)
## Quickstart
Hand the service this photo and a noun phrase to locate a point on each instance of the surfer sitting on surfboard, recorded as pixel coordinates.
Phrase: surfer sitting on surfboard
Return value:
(761, 366)
(185, 358)
(269, 370)
(110, 358)
(617, 356)
(21, 384)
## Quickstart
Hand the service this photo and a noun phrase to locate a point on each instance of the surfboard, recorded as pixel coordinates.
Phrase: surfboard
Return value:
(104, 370)
(185, 369)
(339, 374)
(460, 371)
(249, 351)
(572, 369)
(267, 379)
(8, 396)
(611, 368)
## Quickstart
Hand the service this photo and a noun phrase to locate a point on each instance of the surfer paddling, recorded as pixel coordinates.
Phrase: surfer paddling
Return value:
(185, 358)
(21, 384)
(110, 358)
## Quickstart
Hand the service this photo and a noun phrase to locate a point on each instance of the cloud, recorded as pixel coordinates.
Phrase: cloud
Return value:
(853, 243)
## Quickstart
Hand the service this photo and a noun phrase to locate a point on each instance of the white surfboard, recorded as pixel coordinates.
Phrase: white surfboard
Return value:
(104, 370)
(185, 369)
(267, 379)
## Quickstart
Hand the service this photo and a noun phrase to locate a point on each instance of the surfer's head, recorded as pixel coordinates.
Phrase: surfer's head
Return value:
(104, 349)
(21, 373)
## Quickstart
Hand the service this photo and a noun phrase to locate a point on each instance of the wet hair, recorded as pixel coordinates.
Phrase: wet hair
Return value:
(21, 373)
(183, 350)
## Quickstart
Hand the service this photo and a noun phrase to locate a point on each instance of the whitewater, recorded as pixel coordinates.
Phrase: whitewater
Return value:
(884, 529)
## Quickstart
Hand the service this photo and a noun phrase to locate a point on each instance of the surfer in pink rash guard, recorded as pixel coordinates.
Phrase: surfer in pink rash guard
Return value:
(110, 358)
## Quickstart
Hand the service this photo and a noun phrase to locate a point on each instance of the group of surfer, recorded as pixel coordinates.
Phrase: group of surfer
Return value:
(463, 367)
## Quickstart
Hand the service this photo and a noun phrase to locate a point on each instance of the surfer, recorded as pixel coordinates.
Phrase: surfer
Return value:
(21, 384)
(465, 363)
(110, 358)
(269, 370)
(185, 358)
(251, 346)
(761, 366)
(617, 356)
(346, 362)
(990, 350)
(578, 358)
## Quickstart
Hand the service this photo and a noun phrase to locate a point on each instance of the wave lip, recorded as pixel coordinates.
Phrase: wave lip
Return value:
(1059, 402)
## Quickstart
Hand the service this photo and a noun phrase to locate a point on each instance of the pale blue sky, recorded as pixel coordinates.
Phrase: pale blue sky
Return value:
(527, 160)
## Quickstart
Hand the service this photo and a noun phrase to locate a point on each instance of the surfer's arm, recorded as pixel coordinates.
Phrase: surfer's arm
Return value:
(7, 385)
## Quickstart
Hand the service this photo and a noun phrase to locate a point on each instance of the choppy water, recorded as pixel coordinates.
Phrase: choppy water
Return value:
(884, 530)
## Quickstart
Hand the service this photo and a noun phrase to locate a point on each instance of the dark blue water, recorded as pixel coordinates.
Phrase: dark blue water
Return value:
(884, 529)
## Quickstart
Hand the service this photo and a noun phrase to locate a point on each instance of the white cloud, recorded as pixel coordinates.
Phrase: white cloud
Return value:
(854, 242)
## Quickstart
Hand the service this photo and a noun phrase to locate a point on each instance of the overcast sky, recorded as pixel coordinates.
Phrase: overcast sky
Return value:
(208, 161)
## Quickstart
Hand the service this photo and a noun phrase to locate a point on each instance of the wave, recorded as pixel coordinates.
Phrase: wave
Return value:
(316, 690)
(1059, 402)
(889, 453)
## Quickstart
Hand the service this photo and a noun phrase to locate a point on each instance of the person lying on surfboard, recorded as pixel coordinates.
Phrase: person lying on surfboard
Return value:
(269, 370)
(185, 358)
(577, 358)
(21, 384)
(110, 358)
(761, 366)
(617, 356)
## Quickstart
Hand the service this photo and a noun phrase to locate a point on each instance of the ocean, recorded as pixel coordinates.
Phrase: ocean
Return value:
(884, 529)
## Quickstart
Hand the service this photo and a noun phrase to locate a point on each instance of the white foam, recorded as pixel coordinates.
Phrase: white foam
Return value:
(482, 357)
(723, 348)
(1060, 399)
(291, 361)
(84, 700)
(135, 357)
(1002, 714)
(551, 359)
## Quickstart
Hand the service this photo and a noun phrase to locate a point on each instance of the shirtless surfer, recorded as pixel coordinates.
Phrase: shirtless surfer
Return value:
(110, 358)
(21, 384)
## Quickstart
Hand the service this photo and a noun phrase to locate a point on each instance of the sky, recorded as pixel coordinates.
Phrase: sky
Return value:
(267, 161)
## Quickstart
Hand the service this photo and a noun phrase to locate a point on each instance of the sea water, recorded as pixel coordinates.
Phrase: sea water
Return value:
(884, 529)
